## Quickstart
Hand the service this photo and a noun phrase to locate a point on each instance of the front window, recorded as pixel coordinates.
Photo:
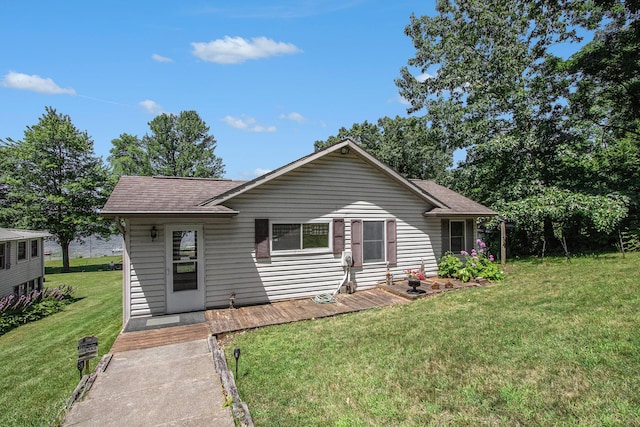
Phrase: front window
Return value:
(457, 236)
(373, 242)
(34, 249)
(22, 250)
(288, 237)
(3, 256)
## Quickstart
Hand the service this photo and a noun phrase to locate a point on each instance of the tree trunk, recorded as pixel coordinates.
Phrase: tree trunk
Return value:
(65, 256)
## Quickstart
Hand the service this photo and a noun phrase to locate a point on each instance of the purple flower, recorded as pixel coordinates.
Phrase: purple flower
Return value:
(473, 264)
(464, 253)
(491, 258)
(483, 245)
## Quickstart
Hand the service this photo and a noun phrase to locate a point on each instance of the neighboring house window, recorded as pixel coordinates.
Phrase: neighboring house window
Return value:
(3, 257)
(34, 249)
(22, 250)
(373, 242)
(457, 236)
(286, 237)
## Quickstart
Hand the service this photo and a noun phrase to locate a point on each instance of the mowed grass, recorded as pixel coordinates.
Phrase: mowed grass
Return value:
(554, 344)
(38, 369)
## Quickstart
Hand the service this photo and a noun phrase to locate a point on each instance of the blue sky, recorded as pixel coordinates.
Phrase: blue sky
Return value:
(269, 78)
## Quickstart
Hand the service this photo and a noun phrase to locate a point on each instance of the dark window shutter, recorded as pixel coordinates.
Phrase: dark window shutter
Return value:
(262, 238)
(392, 244)
(7, 261)
(444, 231)
(356, 242)
(469, 234)
(338, 235)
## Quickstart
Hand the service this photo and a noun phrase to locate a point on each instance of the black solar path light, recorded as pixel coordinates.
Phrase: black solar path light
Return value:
(236, 354)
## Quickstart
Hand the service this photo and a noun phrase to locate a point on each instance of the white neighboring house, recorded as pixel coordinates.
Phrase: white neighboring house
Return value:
(21, 261)
(190, 243)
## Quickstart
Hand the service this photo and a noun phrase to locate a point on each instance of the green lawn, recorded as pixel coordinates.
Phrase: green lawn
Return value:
(554, 344)
(38, 370)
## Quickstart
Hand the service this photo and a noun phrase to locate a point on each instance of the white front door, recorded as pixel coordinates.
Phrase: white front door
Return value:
(185, 268)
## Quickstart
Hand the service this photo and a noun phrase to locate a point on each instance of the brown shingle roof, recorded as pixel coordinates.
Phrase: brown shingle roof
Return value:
(456, 203)
(142, 195)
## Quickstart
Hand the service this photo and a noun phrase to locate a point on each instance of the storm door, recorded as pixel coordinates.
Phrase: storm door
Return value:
(185, 269)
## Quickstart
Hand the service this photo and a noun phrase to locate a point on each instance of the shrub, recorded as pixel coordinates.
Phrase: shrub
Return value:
(449, 265)
(34, 305)
(477, 264)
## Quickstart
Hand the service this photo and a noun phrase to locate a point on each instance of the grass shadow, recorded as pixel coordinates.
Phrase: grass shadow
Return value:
(83, 265)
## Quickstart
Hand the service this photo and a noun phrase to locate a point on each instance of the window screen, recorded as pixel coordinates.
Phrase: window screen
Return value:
(373, 241)
(457, 236)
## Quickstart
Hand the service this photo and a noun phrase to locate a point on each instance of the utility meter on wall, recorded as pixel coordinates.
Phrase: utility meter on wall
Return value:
(347, 259)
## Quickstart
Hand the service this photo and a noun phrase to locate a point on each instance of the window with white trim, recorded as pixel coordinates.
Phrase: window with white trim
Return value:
(373, 241)
(291, 237)
(457, 236)
(35, 250)
(22, 250)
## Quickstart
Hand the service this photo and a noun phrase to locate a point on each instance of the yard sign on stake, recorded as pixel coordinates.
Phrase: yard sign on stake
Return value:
(87, 349)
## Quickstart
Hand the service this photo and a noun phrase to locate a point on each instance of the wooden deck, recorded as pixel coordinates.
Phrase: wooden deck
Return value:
(156, 337)
(230, 320)
(223, 321)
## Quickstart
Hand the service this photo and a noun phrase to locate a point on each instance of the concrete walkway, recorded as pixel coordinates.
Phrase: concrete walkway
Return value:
(171, 385)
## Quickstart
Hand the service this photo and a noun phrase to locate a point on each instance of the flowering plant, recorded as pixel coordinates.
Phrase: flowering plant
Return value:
(414, 274)
(478, 263)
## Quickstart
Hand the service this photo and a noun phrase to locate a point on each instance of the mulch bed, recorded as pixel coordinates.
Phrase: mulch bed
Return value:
(429, 287)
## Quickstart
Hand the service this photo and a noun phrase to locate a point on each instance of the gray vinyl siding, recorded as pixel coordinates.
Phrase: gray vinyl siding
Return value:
(334, 186)
(21, 271)
(146, 269)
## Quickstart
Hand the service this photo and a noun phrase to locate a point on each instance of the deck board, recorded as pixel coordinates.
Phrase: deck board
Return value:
(231, 320)
(222, 321)
(157, 337)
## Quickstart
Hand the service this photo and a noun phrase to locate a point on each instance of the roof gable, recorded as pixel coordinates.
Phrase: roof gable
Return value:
(345, 147)
(167, 196)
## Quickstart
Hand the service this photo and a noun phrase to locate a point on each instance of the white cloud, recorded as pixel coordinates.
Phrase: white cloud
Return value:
(150, 106)
(235, 50)
(296, 117)
(253, 174)
(402, 100)
(160, 58)
(260, 171)
(34, 83)
(423, 77)
(247, 124)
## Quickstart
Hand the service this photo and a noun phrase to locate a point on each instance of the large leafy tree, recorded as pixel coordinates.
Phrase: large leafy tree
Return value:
(177, 145)
(489, 81)
(55, 181)
(128, 156)
(406, 144)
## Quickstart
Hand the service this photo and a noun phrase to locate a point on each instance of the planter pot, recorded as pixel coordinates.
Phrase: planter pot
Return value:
(414, 283)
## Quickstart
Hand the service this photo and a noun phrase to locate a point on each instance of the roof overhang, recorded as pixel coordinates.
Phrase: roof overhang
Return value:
(172, 214)
(445, 214)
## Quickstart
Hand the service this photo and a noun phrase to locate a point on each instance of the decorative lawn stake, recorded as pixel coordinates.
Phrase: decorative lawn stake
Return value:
(236, 354)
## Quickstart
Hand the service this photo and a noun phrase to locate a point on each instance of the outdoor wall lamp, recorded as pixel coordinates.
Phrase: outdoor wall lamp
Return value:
(153, 233)
(344, 150)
